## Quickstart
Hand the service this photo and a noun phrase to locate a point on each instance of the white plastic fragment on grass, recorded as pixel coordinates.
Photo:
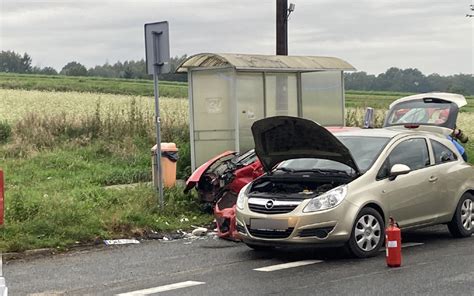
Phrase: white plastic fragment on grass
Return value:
(121, 242)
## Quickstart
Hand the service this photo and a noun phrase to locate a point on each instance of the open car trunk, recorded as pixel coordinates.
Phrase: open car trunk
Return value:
(434, 112)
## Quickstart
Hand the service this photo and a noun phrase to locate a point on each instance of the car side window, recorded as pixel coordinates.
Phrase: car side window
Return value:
(442, 153)
(413, 153)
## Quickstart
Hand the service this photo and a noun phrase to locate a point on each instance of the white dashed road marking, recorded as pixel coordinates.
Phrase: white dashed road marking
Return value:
(162, 288)
(288, 265)
(407, 245)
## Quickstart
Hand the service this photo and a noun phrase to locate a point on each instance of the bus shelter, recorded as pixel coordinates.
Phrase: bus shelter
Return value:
(228, 92)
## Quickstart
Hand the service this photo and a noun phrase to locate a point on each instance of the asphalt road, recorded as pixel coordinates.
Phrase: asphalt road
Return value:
(439, 265)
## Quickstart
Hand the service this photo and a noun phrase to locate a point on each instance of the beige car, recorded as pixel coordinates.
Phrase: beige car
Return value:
(341, 188)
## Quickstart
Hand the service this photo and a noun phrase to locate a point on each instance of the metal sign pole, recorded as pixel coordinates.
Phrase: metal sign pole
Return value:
(157, 52)
(156, 70)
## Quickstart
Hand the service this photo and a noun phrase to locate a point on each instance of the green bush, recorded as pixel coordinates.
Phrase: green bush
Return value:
(5, 132)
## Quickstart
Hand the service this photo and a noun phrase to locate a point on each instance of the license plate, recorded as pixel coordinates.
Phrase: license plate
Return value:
(268, 224)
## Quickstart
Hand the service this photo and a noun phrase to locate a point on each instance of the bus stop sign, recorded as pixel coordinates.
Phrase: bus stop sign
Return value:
(157, 48)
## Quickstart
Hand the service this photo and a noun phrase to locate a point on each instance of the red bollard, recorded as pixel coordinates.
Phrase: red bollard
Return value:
(2, 196)
(393, 244)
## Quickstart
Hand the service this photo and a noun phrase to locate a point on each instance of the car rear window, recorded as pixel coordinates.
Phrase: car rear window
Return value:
(427, 112)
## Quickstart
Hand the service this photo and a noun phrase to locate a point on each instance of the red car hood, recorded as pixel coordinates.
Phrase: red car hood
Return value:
(196, 175)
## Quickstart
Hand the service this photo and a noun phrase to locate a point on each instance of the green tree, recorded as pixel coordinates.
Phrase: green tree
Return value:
(26, 63)
(11, 61)
(44, 71)
(49, 71)
(74, 69)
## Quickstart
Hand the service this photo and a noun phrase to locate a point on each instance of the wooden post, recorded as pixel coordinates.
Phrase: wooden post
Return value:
(282, 27)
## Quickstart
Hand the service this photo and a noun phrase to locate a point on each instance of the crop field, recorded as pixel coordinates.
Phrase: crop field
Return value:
(135, 87)
(138, 87)
(16, 104)
(59, 150)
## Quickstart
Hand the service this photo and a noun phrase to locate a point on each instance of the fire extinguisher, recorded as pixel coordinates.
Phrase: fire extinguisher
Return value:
(393, 244)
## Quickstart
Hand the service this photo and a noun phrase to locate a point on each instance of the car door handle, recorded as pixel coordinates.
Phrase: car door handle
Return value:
(433, 179)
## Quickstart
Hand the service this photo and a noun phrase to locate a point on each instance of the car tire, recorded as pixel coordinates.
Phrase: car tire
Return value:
(368, 234)
(260, 247)
(462, 224)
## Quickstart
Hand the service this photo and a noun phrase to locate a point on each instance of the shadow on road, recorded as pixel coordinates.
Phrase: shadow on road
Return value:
(433, 235)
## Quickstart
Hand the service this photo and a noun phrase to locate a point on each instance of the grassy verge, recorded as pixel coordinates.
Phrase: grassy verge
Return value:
(57, 164)
(56, 198)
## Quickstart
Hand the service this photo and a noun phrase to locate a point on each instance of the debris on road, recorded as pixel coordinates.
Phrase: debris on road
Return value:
(200, 231)
(121, 241)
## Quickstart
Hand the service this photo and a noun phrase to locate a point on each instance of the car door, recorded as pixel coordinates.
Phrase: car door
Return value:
(410, 197)
(445, 162)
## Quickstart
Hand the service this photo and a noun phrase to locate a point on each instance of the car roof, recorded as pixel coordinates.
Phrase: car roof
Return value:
(373, 132)
(391, 132)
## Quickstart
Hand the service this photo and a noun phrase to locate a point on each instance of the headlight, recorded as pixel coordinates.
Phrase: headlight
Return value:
(241, 197)
(327, 200)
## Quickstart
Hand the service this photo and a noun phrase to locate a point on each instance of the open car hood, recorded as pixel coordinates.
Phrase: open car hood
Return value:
(281, 138)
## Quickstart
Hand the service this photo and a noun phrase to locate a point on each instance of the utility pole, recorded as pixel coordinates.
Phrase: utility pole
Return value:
(282, 27)
(282, 14)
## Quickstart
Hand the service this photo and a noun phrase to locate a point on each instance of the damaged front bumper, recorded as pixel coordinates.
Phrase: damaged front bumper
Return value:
(332, 226)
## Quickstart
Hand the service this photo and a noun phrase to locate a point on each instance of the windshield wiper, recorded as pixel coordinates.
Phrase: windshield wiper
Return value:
(322, 171)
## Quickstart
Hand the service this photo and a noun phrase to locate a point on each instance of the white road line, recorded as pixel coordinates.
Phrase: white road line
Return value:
(407, 245)
(288, 265)
(162, 288)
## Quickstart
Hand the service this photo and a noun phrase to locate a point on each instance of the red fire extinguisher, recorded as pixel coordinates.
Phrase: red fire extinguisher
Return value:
(393, 244)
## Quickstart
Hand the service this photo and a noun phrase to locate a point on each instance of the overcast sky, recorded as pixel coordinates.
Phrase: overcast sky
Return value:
(373, 35)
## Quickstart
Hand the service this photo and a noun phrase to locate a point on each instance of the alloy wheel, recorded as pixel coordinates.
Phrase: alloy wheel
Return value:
(467, 215)
(367, 232)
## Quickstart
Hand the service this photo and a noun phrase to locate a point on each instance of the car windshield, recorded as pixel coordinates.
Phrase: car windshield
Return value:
(364, 150)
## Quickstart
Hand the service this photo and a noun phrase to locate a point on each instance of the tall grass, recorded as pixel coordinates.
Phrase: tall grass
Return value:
(57, 164)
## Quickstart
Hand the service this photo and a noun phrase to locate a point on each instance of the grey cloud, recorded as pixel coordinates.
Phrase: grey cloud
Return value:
(372, 34)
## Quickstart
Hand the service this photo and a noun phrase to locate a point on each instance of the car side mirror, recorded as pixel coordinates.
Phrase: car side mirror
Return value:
(397, 170)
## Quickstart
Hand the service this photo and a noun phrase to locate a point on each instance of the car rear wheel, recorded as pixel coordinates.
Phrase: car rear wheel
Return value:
(368, 233)
(462, 224)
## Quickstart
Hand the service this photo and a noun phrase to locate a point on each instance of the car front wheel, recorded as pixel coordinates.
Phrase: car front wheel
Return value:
(462, 224)
(368, 233)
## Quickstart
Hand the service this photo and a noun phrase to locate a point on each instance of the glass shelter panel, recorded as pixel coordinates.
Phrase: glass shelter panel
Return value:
(281, 94)
(213, 111)
(322, 97)
(249, 94)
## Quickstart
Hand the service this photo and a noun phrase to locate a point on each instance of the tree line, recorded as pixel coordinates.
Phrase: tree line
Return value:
(410, 80)
(12, 62)
(394, 79)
